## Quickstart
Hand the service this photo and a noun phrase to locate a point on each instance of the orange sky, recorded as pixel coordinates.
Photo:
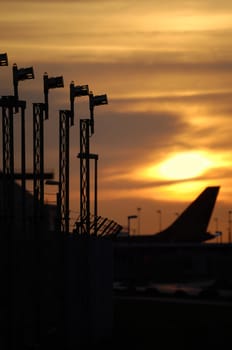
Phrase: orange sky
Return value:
(167, 71)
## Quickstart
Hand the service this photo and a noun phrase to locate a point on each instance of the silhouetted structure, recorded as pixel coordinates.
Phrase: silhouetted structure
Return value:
(189, 227)
(47, 271)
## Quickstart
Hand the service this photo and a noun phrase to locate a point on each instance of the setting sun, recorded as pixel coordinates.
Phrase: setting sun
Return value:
(185, 165)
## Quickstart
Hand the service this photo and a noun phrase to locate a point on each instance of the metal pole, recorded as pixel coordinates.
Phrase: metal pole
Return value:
(95, 156)
(128, 225)
(139, 210)
(95, 196)
(68, 117)
(7, 104)
(229, 225)
(87, 186)
(38, 174)
(65, 117)
(23, 169)
(84, 176)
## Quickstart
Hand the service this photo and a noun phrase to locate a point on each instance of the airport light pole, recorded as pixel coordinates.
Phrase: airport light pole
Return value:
(229, 225)
(50, 83)
(95, 158)
(21, 75)
(129, 218)
(97, 100)
(64, 131)
(40, 112)
(86, 131)
(76, 91)
(139, 220)
(3, 62)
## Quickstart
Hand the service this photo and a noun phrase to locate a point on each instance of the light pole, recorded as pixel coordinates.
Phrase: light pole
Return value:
(40, 113)
(97, 100)
(50, 83)
(86, 131)
(229, 225)
(20, 75)
(3, 62)
(139, 210)
(95, 157)
(76, 91)
(129, 218)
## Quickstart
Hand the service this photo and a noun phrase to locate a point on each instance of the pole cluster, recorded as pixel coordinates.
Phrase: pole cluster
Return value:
(88, 222)
(37, 260)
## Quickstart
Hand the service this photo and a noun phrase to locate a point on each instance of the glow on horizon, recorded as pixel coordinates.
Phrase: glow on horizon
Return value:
(185, 165)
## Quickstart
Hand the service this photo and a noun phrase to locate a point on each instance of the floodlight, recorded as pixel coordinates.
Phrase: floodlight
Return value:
(50, 83)
(79, 90)
(97, 100)
(22, 73)
(3, 59)
(100, 100)
(53, 82)
(76, 91)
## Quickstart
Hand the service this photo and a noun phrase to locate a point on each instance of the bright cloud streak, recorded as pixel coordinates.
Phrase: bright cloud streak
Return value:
(184, 166)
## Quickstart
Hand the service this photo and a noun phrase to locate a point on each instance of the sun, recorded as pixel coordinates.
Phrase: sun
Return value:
(186, 165)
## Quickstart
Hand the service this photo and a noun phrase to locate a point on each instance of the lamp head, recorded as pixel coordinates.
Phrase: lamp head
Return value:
(79, 90)
(22, 73)
(3, 59)
(100, 100)
(50, 83)
(53, 82)
(76, 91)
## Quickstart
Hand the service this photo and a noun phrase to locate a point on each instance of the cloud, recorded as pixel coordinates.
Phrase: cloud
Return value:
(135, 136)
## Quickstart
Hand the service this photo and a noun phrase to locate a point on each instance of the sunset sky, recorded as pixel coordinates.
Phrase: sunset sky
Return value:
(166, 67)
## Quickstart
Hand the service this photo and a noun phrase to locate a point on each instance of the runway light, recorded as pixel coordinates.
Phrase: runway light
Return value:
(3, 59)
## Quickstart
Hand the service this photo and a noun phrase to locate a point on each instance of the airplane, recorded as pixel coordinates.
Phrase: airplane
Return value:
(189, 227)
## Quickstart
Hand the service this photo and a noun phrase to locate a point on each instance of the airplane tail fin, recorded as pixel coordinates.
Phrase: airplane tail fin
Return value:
(191, 225)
